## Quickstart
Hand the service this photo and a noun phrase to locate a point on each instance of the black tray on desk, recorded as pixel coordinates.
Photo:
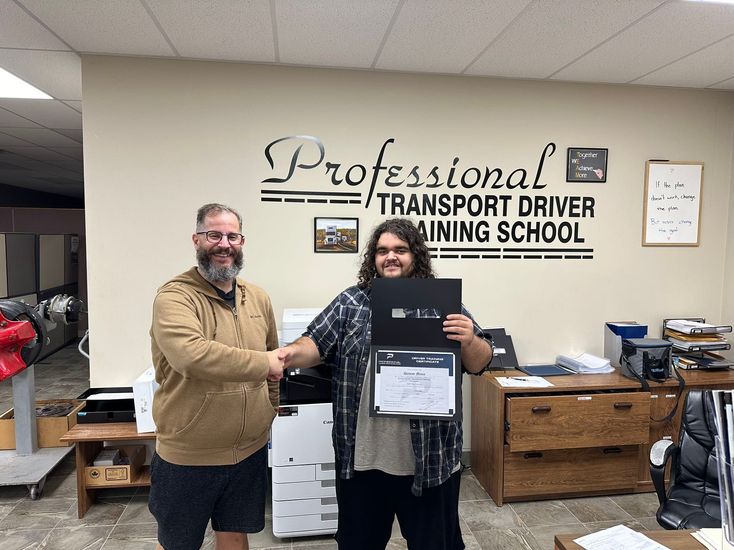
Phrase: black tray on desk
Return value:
(106, 410)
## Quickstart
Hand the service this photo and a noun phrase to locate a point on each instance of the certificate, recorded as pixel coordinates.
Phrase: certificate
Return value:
(414, 383)
(415, 371)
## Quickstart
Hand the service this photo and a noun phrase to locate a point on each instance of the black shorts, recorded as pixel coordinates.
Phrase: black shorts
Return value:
(369, 502)
(184, 498)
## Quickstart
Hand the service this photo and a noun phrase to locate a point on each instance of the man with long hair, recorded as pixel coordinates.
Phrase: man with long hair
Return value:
(214, 344)
(387, 467)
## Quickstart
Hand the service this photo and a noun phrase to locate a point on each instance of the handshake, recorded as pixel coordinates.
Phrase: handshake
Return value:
(278, 361)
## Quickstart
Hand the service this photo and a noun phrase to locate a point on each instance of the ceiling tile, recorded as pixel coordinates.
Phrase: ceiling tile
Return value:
(10, 141)
(726, 85)
(219, 29)
(40, 136)
(699, 70)
(102, 26)
(76, 105)
(332, 34)
(552, 33)
(73, 152)
(76, 135)
(52, 114)
(37, 153)
(11, 120)
(20, 30)
(673, 31)
(59, 74)
(422, 30)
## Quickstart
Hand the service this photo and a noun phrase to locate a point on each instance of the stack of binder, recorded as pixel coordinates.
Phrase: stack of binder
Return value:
(695, 335)
(585, 364)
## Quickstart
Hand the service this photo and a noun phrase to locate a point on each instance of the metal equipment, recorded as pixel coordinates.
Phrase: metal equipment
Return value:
(23, 335)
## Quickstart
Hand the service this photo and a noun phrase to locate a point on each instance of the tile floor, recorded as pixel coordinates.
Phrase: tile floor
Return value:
(120, 519)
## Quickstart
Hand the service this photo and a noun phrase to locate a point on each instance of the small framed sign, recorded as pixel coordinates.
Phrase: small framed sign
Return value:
(335, 235)
(586, 165)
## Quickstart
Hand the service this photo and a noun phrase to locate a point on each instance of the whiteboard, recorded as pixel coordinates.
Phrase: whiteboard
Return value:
(672, 211)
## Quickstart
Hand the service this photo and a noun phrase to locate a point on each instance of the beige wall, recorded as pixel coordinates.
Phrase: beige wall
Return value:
(163, 137)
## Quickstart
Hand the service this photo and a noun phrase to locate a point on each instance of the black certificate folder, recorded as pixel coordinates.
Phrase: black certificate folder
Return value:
(415, 371)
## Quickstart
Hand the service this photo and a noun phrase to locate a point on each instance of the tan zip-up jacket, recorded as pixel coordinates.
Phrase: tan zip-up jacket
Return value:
(214, 405)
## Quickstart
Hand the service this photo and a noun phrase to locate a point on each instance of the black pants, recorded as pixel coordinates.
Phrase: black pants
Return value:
(369, 502)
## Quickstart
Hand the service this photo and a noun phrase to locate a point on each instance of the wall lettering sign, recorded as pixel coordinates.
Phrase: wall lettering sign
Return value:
(586, 165)
(463, 210)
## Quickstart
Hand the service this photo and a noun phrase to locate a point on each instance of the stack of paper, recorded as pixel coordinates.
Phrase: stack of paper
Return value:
(586, 364)
(619, 536)
(695, 336)
(523, 382)
(713, 539)
(694, 327)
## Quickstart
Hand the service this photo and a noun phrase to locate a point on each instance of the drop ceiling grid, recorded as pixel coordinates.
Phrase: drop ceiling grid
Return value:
(20, 30)
(443, 37)
(11, 120)
(202, 30)
(40, 136)
(667, 34)
(570, 27)
(701, 69)
(102, 26)
(333, 34)
(48, 113)
(59, 74)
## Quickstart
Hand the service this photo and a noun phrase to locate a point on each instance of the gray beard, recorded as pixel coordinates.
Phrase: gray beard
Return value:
(214, 273)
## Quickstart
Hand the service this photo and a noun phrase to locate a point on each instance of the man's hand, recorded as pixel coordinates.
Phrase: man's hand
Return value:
(275, 370)
(460, 328)
(286, 355)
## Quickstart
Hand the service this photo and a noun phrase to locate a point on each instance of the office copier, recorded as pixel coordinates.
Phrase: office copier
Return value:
(302, 455)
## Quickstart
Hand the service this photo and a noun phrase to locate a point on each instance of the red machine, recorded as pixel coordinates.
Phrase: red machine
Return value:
(13, 336)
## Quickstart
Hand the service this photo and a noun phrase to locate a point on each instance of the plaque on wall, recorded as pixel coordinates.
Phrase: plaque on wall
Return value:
(586, 165)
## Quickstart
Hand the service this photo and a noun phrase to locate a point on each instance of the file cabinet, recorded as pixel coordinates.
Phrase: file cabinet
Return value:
(586, 435)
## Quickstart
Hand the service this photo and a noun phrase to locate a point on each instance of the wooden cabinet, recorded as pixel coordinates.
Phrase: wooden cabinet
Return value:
(587, 435)
(89, 440)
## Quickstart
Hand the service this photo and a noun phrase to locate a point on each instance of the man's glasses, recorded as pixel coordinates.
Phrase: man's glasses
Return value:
(215, 237)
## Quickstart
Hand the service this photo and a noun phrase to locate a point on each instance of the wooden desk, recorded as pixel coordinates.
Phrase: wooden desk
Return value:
(587, 435)
(89, 439)
(675, 540)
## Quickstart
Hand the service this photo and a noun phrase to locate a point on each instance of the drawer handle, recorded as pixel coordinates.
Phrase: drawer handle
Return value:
(612, 451)
(533, 455)
(541, 409)
(623, 405)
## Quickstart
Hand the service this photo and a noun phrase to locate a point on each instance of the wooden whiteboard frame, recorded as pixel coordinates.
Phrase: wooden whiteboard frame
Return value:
(646, 199)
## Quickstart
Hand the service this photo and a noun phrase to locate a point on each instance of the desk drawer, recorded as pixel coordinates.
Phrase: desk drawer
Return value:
(577, 421)
(557, 472)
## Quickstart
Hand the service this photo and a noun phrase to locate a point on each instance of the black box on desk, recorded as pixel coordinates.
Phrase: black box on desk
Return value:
(115, 407)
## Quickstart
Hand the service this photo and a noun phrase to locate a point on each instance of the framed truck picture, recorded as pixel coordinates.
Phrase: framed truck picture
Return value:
(336, 235)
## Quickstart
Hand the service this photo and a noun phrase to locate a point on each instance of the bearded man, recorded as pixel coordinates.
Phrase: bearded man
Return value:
(213, 341)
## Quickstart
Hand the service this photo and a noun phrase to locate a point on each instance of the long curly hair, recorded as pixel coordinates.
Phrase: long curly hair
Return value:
(405, 230)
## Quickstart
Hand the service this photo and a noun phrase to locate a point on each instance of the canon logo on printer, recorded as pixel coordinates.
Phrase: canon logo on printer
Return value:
(327, 421)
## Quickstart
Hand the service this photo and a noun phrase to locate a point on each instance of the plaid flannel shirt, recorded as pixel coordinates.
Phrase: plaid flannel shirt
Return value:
(343, 336)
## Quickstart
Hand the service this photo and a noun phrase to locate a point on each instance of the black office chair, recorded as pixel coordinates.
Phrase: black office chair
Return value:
(692, 500)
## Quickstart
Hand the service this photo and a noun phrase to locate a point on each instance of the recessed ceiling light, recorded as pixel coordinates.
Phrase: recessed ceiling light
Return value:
(13, 87)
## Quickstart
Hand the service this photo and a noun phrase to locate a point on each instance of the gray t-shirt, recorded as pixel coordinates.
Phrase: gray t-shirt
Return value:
(382, 443)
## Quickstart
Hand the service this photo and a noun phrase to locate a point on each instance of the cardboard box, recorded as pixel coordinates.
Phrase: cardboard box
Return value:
(100, 476)
(48, 428)
(615, 332)
(143, 389)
